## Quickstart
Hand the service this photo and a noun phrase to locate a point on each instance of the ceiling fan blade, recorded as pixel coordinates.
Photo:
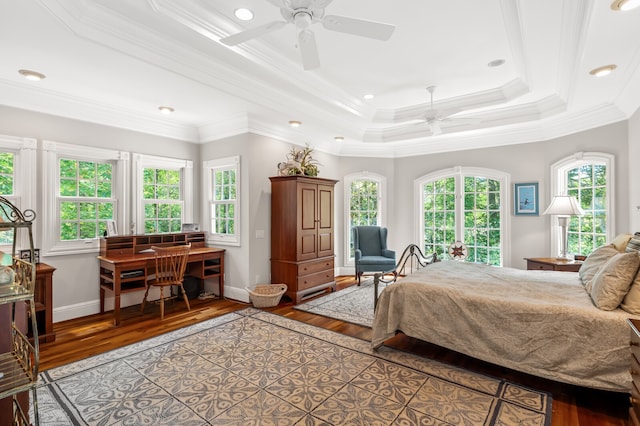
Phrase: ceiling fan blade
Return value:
(359, 27)
(308, 50)
(249, 34)
(456, 121)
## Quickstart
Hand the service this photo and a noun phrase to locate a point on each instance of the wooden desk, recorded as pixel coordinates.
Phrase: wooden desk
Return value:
(43, 298)
(122, 273)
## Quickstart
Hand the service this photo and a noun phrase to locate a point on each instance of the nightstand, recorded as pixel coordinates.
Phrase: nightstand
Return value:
(635, 372)
(552, 264)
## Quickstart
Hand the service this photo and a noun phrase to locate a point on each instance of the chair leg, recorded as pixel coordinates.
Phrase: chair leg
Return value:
(359, 275)
(184, 296)
(161, 303)
(144, 299)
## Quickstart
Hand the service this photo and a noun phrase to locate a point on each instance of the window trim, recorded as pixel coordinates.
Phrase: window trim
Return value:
(558, 172)
(208, 167)
(52, 152)
(382, 206)
(143, 161)
(461, 172)
(24, 190)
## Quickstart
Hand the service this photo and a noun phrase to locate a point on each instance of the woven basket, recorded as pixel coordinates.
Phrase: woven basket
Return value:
(266, 295)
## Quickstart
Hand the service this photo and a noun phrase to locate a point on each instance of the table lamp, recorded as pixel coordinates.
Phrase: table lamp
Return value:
(564, 206)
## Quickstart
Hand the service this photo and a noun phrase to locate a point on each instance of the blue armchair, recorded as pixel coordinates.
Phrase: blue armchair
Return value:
(371, 253)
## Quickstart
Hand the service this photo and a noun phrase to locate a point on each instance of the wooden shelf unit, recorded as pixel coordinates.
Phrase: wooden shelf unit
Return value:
(132, 244)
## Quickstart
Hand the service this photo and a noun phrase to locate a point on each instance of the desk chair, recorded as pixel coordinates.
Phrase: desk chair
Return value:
(371, 253)
(171, 263)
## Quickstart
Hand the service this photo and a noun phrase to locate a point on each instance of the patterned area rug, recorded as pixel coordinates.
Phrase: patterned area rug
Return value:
(256, 368)
(353, 304)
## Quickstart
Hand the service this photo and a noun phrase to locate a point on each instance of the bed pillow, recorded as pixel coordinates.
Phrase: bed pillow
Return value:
(611, 284)
(634, 243)
(621, 241)
(631, 302)
(595, 261)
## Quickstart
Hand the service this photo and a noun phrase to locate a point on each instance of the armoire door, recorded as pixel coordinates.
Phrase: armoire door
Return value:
(325, 220)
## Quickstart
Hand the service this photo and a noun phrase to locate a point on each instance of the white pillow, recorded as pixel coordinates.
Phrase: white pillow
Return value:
(611, 284)
(596, 260)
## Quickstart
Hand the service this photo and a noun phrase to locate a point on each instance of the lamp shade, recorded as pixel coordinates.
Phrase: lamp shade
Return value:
(564, 205)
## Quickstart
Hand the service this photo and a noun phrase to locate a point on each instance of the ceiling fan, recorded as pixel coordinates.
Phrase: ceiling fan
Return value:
(437, 119)
(303, 14)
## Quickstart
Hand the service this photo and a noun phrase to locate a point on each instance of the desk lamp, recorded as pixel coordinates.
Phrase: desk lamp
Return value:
(564, 206)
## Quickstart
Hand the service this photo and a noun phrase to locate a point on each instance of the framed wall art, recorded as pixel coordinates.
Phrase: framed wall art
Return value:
(526, 199)
(111, 228)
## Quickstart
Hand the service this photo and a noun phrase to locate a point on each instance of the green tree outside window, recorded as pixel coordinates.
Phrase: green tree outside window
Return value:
(85, 198)
(223, 201)
(162, 200)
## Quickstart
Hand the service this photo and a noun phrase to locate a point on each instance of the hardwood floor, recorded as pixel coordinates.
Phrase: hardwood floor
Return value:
(84, 337)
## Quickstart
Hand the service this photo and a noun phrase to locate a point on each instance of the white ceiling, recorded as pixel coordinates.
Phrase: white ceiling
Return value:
(116, 61)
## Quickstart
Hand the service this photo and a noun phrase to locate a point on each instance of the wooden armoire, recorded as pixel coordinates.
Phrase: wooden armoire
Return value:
(302, 233)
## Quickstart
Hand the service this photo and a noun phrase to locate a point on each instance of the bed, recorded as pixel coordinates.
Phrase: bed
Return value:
(545, 323)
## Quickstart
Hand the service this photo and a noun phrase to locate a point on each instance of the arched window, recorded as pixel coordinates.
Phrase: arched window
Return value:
(365, 199)
(588, 176)
(464, 204)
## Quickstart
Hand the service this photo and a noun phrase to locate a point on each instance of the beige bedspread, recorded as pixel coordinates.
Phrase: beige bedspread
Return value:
(538, 322)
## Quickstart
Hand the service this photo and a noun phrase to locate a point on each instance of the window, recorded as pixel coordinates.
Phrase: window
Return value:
(586, 176)
(82, 188)
(223, 193)
(17, 183)
(464, 204)
(85, 197)
(163, 194)
(365, 204)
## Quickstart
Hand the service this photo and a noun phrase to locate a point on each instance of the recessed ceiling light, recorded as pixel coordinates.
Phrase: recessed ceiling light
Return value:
(295, 123)
(602, 71)
(32, 75)
(166, 110)
(243, 14)
(496, 63)
(338, 138)
(625, 5)
(368, 96)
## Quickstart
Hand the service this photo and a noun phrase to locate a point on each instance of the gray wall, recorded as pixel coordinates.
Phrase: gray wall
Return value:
(76, 278)
(525, 163)
(75, 284)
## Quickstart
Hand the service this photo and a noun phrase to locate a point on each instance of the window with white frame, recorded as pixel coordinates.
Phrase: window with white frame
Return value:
(464, 204)
(84, 187)
(222, 186)
(163, 193)
(365, 201)
(17, 183)
(588, 177)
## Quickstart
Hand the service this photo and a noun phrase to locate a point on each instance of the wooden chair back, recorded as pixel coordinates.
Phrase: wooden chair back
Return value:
(171, 263)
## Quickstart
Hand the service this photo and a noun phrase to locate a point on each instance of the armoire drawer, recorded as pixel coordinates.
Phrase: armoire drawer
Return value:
(315, 266)
(312, 280)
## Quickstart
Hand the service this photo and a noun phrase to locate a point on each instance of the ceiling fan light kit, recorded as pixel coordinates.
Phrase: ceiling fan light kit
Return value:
(32, 75)
(603, 70)
(625, 5)
(303, 14)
